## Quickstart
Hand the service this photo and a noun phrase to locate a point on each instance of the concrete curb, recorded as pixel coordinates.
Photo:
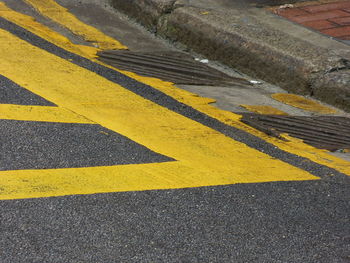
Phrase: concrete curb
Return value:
(255, 42)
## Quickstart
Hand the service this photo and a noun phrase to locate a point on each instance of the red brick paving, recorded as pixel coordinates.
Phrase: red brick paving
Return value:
(327, 7)
(292, 12)
(343, 21)
(337, 31)
(332, 19)
(319, 25)
(320, 16)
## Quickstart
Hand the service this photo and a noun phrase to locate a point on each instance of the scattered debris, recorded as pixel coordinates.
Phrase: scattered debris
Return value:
(286, 6)
(282, 7)
(255, 82)
(205, 61)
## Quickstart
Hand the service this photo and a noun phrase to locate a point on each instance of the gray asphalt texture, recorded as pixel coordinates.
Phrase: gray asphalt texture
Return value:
(166, 101)
(306, 222)
(12, 93)
(44, 145)
(271, 222)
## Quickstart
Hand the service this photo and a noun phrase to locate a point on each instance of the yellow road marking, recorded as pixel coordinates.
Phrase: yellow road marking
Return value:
(293, 146)
(263, 109)
(302, 103)
(44, 32)
(40, 113)
(137, 177)
(204, 156)
(62, 16)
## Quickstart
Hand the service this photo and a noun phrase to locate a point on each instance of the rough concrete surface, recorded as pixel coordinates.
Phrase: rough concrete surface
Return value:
(147, 11)
(102, 16)
(252, 40)
(335, 86)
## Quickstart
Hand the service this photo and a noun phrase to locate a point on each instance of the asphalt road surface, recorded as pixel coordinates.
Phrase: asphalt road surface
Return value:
(103, 165)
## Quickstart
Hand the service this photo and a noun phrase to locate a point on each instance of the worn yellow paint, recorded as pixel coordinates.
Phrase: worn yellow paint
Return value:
(46, 33)
(40, 113)
(293, 145)
(57, 182)
(62, 16)
(302, 103)
(204, 156)
(263, 109)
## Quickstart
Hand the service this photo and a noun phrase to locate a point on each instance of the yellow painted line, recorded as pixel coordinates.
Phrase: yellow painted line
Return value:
(58, 182)
(40, 113)
(293, 145)
(302, 103)
(46, 33)
(263, 109)
(62, 16)
(204, 156)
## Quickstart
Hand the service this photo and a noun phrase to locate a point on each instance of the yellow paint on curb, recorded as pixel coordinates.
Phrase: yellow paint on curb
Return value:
(40, 113)
(204, 156)
(293, 145)
(62, 16)
(263, 109)
(302, 103)
(46, 33)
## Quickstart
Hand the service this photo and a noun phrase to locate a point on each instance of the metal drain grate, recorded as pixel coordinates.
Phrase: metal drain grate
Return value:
(175, 67)
(324, 132)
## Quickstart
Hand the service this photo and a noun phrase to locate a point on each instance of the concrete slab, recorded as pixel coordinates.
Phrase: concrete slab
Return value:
(253, 40)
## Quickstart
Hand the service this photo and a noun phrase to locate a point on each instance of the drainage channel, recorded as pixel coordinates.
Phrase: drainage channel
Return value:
(175, 67)
(325, 132)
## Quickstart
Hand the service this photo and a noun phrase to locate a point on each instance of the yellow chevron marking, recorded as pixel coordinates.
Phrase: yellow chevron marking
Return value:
(204, 156)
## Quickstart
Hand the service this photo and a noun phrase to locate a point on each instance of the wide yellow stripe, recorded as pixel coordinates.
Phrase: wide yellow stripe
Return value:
(46, 33)
(121, 178)
(201, 149)
(40, 113)
(62, 16)
(293, 146)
